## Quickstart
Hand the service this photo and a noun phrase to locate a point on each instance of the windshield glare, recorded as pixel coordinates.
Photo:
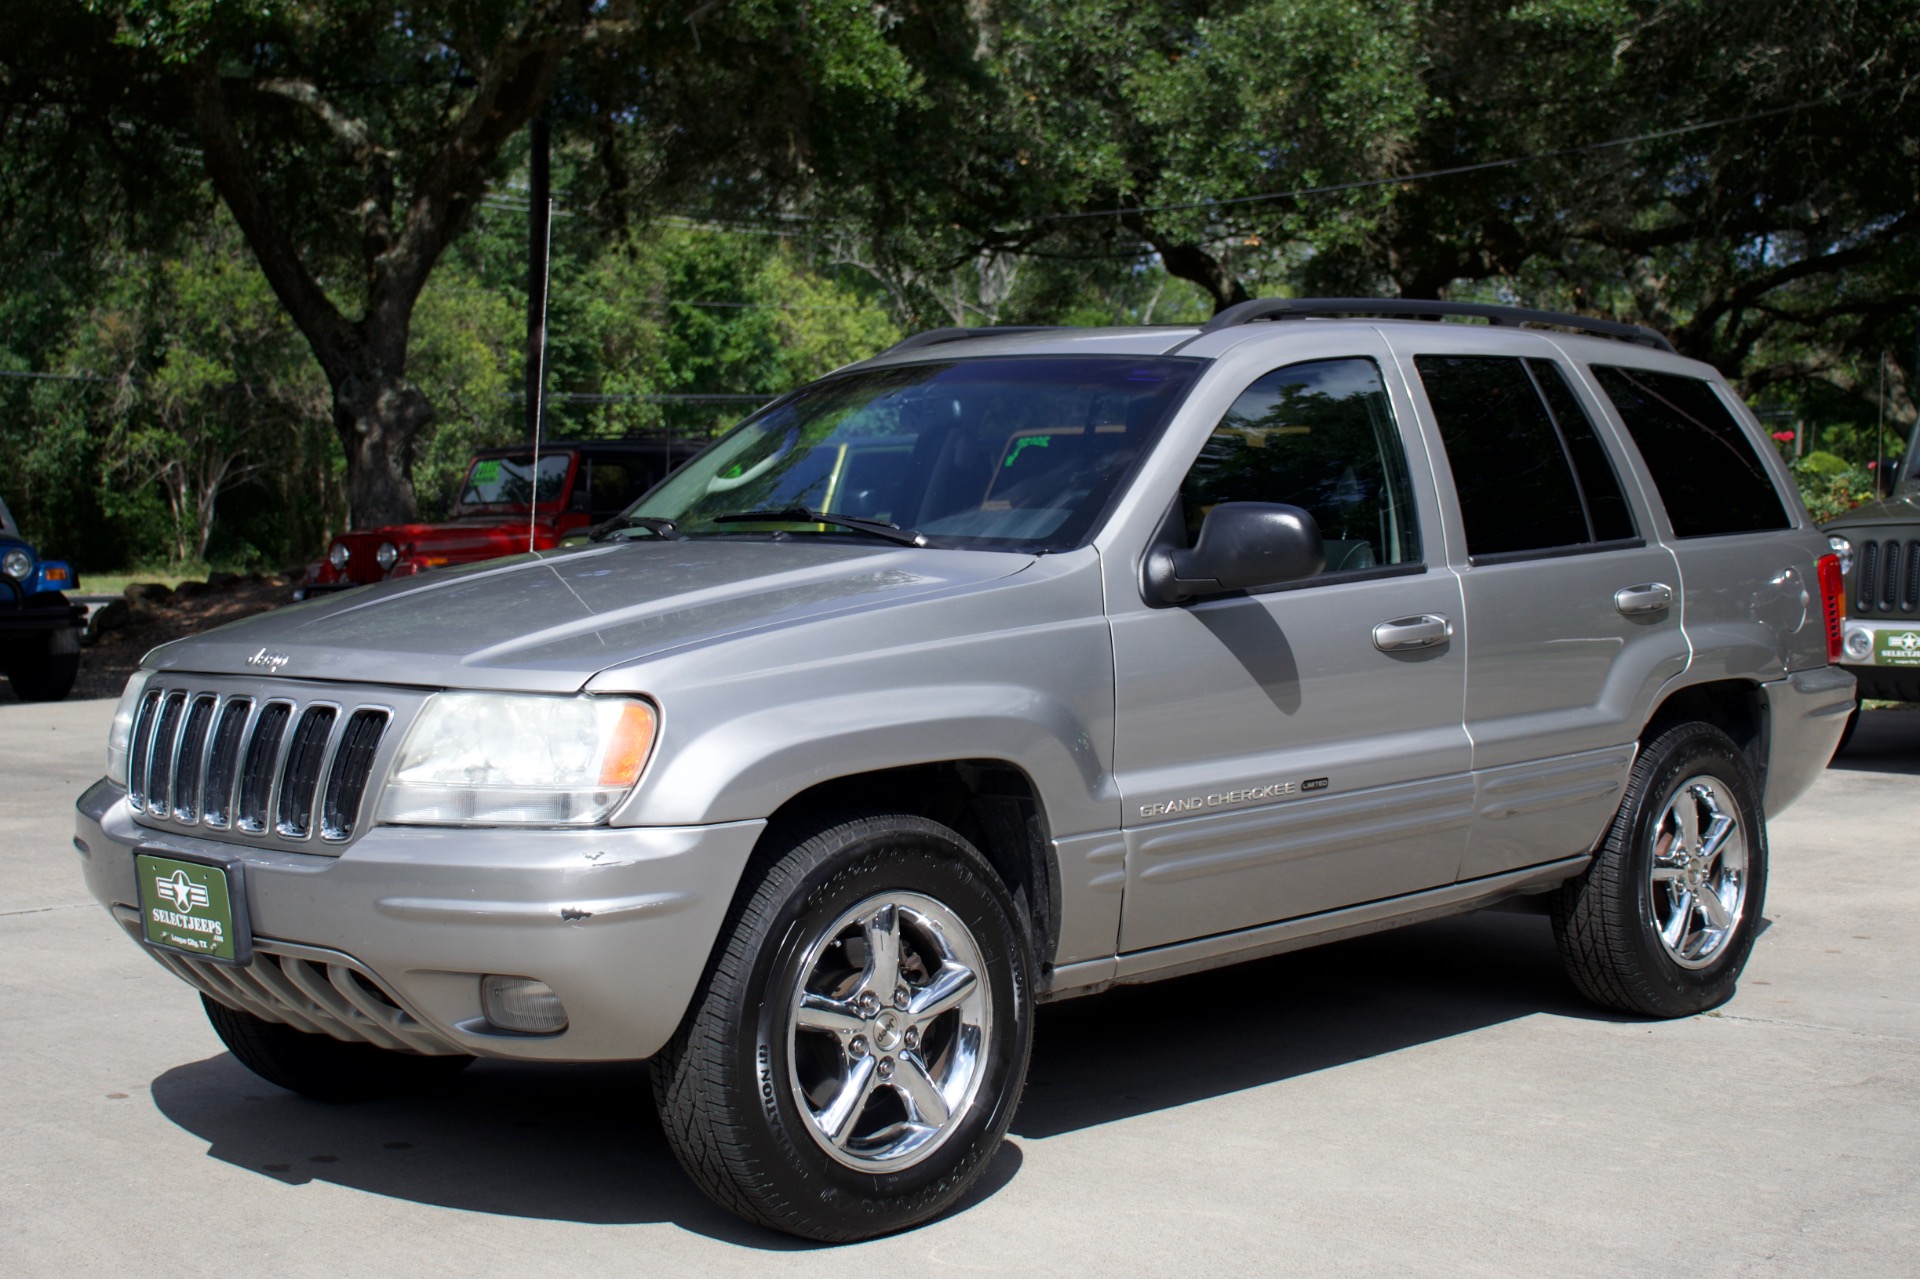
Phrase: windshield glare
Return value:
(509, 481)
(1017, 452)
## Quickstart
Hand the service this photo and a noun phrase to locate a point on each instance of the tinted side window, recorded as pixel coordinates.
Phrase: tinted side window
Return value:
(1515, 481)
(1710, 479)
(1610, 518)
(1320, 436)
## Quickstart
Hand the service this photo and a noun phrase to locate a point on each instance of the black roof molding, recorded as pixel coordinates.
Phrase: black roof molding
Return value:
(934, 337)
(1413, 308)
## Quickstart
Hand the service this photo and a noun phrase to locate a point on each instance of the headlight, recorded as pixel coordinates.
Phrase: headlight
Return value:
(486, 759)
(120, 736)
(339, 556)
(17, 564)
(386, 555)
(1844, 549)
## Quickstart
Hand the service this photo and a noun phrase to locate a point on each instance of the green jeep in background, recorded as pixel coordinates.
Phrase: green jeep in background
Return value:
(1879, 547)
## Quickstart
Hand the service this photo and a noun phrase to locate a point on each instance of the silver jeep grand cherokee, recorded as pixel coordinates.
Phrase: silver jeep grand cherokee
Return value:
(1003, 667)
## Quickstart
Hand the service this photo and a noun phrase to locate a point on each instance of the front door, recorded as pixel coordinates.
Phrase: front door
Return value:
(1296, 750)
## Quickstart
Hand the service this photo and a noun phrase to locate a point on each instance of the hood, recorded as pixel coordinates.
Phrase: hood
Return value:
(1902, 508)
(550, 622)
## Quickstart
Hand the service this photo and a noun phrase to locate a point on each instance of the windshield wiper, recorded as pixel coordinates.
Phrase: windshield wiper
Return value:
(806, 515)
(620, 523)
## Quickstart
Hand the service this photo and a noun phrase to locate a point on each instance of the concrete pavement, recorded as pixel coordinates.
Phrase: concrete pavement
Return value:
(1433, 1101)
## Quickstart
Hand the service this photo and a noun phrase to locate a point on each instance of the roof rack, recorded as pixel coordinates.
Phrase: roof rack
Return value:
(1403, 308)
(933, 337)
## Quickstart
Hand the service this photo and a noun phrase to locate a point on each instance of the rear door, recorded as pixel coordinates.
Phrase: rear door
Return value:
(1573, 609)
(1291, 751)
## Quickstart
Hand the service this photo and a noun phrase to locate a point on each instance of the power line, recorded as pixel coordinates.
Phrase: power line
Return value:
(1456, 170)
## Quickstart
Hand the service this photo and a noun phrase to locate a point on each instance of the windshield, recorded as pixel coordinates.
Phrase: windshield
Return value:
(1003, 453)
(508, 481)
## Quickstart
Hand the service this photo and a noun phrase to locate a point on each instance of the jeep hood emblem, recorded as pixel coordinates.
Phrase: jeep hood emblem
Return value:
(272, 661)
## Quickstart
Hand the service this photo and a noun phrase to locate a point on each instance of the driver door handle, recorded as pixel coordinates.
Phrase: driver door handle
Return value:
(1427, 630)
(1653, 597)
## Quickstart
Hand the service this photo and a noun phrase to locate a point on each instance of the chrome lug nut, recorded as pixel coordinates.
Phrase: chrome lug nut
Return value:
(900, 997)
(859, 1046)
(913, 1037)
(869, 1004)
(886, 1068)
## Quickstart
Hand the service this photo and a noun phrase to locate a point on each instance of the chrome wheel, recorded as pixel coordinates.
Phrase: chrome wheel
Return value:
(887, 1032)
(1698, 872)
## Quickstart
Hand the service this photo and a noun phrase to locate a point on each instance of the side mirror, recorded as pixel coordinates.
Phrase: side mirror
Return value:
(1242, 545)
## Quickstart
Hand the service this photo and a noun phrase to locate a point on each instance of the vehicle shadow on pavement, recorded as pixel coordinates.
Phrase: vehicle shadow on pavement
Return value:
(574, 1143)
(1140, 1049)
(1885, 741)
(581, 1143)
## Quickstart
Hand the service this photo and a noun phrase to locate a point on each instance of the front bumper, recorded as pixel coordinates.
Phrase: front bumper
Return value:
(1885, 657)
(30, 616)
(618, 921)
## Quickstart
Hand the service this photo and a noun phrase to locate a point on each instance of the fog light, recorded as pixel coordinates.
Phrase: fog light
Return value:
(522, 1005)
(1859, 645)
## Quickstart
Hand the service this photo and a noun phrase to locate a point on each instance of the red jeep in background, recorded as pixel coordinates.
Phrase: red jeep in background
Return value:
(580, 484)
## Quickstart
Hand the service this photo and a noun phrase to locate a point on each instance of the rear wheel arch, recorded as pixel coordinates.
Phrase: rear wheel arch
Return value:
(1737, 708)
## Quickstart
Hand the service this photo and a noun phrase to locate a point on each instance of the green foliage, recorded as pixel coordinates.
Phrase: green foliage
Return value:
(1831, 492)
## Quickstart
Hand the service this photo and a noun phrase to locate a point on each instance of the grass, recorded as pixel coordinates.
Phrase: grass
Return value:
(117, 583)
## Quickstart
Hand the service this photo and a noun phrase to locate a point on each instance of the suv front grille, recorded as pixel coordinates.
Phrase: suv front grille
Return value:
(1886, 577)
(266, 767)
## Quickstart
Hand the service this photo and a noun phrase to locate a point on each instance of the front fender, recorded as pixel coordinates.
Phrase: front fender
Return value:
(747, 766)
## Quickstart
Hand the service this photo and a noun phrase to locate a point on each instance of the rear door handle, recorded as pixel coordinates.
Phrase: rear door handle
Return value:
(1653, 597)
(1428, 630)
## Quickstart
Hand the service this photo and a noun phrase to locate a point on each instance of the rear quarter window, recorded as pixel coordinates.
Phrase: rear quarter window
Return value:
(1709, 476)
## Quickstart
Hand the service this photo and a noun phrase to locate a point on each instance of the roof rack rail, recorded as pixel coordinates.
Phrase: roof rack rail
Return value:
(1401, 308)
(933, 337)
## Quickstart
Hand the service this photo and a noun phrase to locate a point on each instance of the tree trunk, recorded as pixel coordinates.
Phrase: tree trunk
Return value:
(1191, 262)
(378, 418)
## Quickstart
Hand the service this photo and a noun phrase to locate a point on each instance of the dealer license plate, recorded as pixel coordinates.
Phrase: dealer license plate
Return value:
(1897, 648)
(195, 907)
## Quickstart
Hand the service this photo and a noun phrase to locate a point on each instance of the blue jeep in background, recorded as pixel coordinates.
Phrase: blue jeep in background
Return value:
(39, 630)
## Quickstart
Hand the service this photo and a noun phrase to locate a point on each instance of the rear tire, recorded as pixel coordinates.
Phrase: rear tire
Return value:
(1662, 921)
(322, 1067)
(858, 1046)
(44, 677)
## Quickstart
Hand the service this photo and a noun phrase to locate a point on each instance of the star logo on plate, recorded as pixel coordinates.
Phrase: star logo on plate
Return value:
(180, 891)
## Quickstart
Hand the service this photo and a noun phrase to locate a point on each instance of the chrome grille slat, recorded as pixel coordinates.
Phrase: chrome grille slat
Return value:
(223, 761)
(166, 744)
(139, 767)
(347, 777)
(256, 765)
(299, 785)
(261, 769)
(191, 767)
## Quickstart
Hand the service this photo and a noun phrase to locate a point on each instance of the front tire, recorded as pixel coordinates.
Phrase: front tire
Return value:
(322, 1067)
(857, 1049)
(44, 676)
(1661, 923)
